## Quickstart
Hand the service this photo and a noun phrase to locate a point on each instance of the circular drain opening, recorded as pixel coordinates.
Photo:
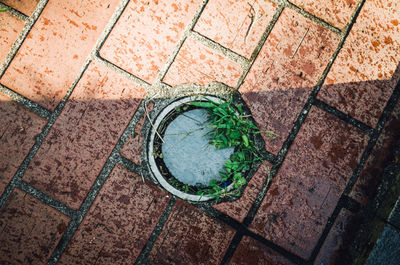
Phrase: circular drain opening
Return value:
(180, 154)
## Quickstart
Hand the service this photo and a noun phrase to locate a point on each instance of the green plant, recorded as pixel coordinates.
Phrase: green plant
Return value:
(230, 128)
(2, 9)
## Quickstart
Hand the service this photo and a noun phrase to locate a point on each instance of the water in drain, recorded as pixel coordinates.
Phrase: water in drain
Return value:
(186, 150)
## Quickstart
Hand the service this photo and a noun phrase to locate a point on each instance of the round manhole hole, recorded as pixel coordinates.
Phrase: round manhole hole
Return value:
(181, 154)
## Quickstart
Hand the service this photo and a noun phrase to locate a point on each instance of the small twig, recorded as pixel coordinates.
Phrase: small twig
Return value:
(298, 46)
(151, 123)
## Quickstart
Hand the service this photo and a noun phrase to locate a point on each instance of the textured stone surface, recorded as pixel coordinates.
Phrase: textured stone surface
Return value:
(133, 146)
(387, 250)
(195, 63)
(25, 6)
(18, 128)
(252, 252)
(191, 237)
(10, 28)
(309, 183)
(337, 240)
(366, 70)
(57, 46)
(146, 35)
(278, 84)
(239, 208)
(335, 12)
(236, 24)
(187, 151)
(119, 222)
(84, 135)
(381, 156)
(29, 230)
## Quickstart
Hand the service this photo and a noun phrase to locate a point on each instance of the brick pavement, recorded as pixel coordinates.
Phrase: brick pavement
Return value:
(74, 75)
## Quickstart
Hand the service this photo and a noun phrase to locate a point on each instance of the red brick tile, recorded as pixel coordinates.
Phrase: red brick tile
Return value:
(18, 128)
(337, 240)
(335, 12)
(55, 49)
(366, 70)
(252, 252)
(236, 24)
(190, 236)
(278, 84)
(24, 6)
(309, 183)
(146, 34)
(84, 135)
(196, 63)
(133, 146)
(380, 158)
(10, 27)
(239, 209)
(119, 222)
(29, 230)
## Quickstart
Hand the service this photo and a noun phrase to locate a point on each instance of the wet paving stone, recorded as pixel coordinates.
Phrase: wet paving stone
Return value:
(338, 239)
(335, 12)
(239, 208)
(10, 27)
(236, 24)
(83, 136)
(382, 155)
(284, 73)
(55, 49)
(252, 252)
(195, 63)
(190, 236)
(18, 128)
(146, 34)
(366, 70)
(119, 222)
(309, 183)
(29, 230)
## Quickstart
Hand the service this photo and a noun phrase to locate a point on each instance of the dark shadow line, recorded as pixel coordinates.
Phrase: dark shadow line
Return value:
(142, 257)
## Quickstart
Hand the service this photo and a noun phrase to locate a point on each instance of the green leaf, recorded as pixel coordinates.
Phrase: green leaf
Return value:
(245, 140)
(202, 104)
(235, 134)
(2, 9)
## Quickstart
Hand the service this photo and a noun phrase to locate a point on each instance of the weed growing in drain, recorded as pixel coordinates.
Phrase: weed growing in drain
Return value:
(230, 128)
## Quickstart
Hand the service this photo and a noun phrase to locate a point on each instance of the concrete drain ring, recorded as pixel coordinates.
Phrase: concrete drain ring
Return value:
(179, 157)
